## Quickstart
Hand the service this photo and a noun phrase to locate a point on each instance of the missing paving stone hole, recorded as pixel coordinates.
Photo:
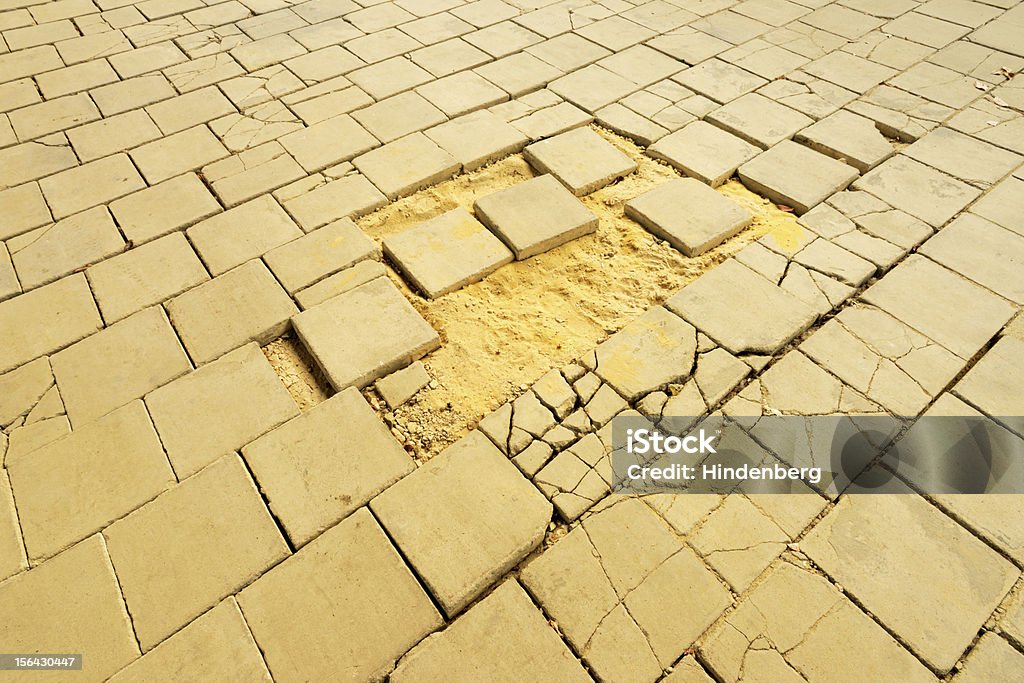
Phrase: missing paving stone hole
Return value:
(297, 371)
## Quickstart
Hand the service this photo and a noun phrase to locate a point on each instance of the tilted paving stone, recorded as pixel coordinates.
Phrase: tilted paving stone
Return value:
(191, 547)
(364, 334)
(877, 218)
(164, 208)
(217, 644)
(688, 214)
(333, 439)
(792, 174)
(759, 120)
(553, 120)
(405, 165)
(580, 159)
(86, 608)
(704, 152)
(519, 73)
(242, 305)
(534, 216)
(463, 519)
(477, 139)
(219, 408)
(305, 261)
(400, 386)
(467, 650)
(56, 485)
(850, 138)
(339, 283)
(446, 253)
(314, 613)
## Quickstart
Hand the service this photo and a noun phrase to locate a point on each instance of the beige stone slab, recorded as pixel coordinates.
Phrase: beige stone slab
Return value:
(477, 139)
(24, 209)
(20, 93)
(219, 408)
(146, 59)
(53, 115)
(45, 320)
(464, 519)
(77, 485)
(328, 142)
(91, 184)
(252, 172)
(216, 646)
(144, 276)
(307, 260)
(346, 601)
(32, 160)
(9, 285)
(37, 434)
(406, 165)
(12, 548)
(192, 546)
(113, 134)
(164, 208)
(242, 305)
(29, 62)
(22, 389)
(503, 637)
(83, 607)
(86, 48)
(191, 109)
(132, 93)
(48, 253)
(982, 251)
(401, 385)
(176, 154)
(339, 283)
(350, 195)
(118, 364)
(237, 235)
(333, 440)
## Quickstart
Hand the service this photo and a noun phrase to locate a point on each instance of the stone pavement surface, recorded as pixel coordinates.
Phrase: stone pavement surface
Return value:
(179, 185)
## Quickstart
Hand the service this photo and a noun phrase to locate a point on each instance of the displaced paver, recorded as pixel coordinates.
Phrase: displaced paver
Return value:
(405, 165)
(759, 120)
(339, 283)
(477, 139)
(704, 152)
(794, 175)
(849, 137)
(400, 386)
(307, 260)
(581, 159)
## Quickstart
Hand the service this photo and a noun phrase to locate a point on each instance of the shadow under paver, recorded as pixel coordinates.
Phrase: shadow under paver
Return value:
(581, 159)
(704, 152)
(535, 216)
(689, 215)
(791, 174)
(446, 253)
(364, 334)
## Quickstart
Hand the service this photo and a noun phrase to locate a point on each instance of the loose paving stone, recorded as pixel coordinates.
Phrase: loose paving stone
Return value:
(989, 385)
(219, 408)
(963, 157)
(692, 217)
(834, 261)
(344, 600)
(350, 195)
(406, 165)
(550, 121)
(580, 159)
(534, 216)
(850, 138)
(237, 235)
(242, 305)
(983, 252)
(477, 139)
(88, 185)
(555, 393)
(305, 261)
(856, 544)
(468, 650)
(56, 485)
(719, 80)
(118, 364)
(364, 334)
(400, 386)
(463, 519)
(731, 304)
(333, 438)
(704, 152)
(164, 208)
(191, 547)
(791, 174)
(339, 283)
(446, 253)
(758, 120)
(85, 607)
(217, 644)
(328, 142)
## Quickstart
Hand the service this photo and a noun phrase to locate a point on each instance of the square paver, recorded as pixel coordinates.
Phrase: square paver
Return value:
(689, 215)
(794, 175)
(983, 252)
(593, 87)
(328, 142)
(407, 165)
(759, 120)
(398, 116)
(920, 190)
(581, 159)
(245, 232)
(963, 157)
(336, 246)
(446, 253)
(719, 80)
(364, 334)
(704, 152)
(534, 216)
(332, 439)
(464, 519)
(477, 139)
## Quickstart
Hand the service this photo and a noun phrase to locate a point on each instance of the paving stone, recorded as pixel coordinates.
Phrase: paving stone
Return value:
(1003, 205)
(981, 251)
(24, 209)
(350, 195)
(191, 109)
(758, 120)
(690, 216)
(625, 121)
(991, 659)
(730, 305)
(990, 384)
(938, 84)
(56, 484)
(407, 165)
(192, 546)
(446, 253)
(462, 93)
(791, 174)
(217, 644)
(905, 601)
(592, 87)
(245, 304)
(313, 613)
(924, 29)
(43, 255)
(1002, 33)
(113, 134)
(305, 261)
(339, 283)
(739, 541)
(86, 608)
(247, 231)
(401, 385)
(581, 159)
(14, 559)
(23, 388)
(519, 73)
(219, 408)
(535, 216)
(45, 320)
(963, 157)
(917, 189)
(251, 173)
(328, 142)
(555, 393)
(118, 364)
(849, 71)
(810, 631)
(550, 121)
(90, 184)
(720, 81)
(164, 208)
(398, 116)
(467, 650)
(364, 334)
(464, 519)
(704, 152)
(477, 139)
(32, 160)
(850, 138)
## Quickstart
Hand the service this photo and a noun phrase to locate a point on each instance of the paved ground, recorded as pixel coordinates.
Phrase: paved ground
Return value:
(178, 181)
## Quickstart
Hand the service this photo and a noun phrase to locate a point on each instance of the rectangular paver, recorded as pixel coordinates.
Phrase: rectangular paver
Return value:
(305, 261)
(237, 235)
(581, 159)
